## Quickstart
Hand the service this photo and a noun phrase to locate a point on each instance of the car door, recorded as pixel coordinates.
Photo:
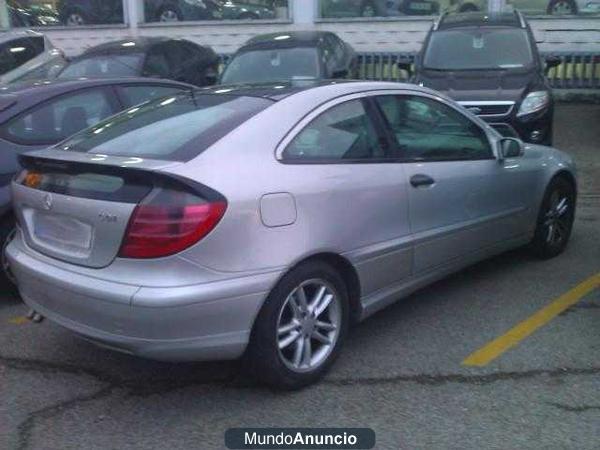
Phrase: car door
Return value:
(462, 200)
(338, 167)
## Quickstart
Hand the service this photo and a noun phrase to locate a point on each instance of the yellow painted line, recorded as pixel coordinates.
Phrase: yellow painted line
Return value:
(19, 320)
(512, 337)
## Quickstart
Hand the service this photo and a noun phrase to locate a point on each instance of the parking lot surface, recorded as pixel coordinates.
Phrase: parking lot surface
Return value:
(405, 372)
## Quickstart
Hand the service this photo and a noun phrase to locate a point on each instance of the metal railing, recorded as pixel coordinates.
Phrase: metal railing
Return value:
(578, 70)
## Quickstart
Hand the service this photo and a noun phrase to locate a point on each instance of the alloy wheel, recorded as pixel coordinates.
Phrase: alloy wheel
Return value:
(168, 15)
(557, 219)
(309, 325)
(75, 19)
(562, 8)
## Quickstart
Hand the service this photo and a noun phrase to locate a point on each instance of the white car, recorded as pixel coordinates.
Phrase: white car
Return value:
(28, 55)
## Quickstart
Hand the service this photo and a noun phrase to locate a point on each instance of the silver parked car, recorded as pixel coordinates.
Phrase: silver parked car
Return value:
(263, 221)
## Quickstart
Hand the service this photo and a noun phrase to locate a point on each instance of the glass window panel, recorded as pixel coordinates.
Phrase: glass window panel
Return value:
(344, 132)
(567, 8)
(427, 130)
(46, 13)
(59, 118)
(338, 9)
(193, 10)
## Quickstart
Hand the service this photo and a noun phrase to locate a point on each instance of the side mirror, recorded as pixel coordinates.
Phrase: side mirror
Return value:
(406, 65)
(552, 61)
(509, 147)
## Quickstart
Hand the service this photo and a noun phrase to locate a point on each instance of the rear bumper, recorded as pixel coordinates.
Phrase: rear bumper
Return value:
(215, 326)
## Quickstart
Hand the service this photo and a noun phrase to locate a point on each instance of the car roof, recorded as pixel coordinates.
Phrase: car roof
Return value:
(285, 40)
(27, 94)
(134, 45)
(276, 91)
(481, 19)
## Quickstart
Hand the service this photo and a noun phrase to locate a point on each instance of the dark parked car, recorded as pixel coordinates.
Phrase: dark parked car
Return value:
(178, 10)
(291, 55)
(35, 115)
(24, 15)
(90, 12)
(174, 59)
(377, 8)
(490, 64)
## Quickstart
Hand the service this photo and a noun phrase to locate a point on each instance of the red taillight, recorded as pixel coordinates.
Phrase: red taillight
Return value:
(163, 228)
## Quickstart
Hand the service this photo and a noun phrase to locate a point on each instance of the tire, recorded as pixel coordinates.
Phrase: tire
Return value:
(7, 232)
(555, 219)
(169, 14)
(75, 18)
(281, 360)
(562, 7)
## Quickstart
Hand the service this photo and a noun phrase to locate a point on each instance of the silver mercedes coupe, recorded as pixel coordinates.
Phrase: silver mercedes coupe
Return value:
(262, 221)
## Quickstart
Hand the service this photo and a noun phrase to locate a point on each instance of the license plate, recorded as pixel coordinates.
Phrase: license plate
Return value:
(62, 231)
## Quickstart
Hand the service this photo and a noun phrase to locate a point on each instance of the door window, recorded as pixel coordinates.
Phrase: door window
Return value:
(344, 132)
(60, 118)
(428, 130)
(134, 95)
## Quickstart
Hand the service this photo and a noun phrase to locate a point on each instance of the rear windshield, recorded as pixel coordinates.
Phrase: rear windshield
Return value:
(176, 128)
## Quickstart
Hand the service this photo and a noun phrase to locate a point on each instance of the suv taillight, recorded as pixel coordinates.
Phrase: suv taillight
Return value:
(169, 221)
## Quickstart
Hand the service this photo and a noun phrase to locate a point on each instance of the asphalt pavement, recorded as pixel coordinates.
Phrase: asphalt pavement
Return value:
(402, 372)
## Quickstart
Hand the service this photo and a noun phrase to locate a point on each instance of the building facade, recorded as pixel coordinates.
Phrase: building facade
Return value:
(369, 25)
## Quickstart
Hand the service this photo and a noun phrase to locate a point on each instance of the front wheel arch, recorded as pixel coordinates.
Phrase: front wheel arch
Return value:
(346, 270)
(567, 176)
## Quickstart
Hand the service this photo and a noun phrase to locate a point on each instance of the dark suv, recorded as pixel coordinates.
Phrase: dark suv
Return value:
(490, 64)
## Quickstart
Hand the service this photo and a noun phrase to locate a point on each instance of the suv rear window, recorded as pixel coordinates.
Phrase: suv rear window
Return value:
(177, 128)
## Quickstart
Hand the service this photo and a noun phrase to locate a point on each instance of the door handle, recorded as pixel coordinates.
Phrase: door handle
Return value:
(421, 180)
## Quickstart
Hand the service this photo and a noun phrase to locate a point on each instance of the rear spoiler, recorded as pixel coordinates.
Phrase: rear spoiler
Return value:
(138, 175)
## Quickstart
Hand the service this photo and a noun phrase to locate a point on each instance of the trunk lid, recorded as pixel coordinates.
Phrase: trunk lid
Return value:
(76, 207)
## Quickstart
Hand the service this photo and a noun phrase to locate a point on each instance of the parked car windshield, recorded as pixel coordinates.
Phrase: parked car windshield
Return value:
(478, 49)
(104, 66)
(272, 65)
(177, 127)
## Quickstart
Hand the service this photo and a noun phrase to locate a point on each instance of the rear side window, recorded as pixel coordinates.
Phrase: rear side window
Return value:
(134, 95)
(59, 118)
(344, 132)
(176, 128)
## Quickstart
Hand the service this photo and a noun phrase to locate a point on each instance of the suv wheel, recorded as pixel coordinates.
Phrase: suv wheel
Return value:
(75, 19)
(562, 7)
(169, 14)
(300, 328)
(555, 219)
